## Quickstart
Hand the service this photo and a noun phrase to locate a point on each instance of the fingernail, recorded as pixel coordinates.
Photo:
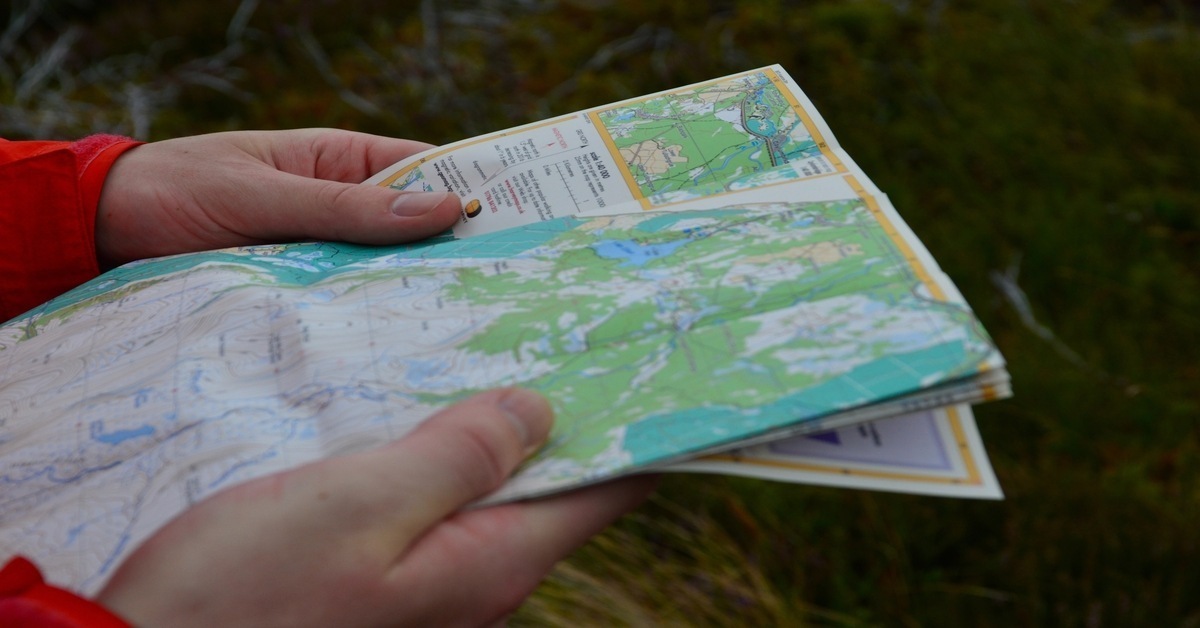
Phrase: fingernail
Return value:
(530, 414)
(417, 203)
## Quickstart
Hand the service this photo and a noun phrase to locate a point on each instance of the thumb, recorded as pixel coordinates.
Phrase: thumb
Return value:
(366, 214)
(455, 457)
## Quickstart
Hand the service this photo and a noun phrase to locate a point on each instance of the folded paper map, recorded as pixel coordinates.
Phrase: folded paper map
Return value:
(682, 274)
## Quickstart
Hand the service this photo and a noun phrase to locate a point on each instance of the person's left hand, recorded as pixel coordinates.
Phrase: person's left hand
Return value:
(249, 187)
(373, 538)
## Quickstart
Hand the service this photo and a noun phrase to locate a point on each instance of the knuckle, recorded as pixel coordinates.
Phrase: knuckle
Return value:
(489, 461)
(340, 197)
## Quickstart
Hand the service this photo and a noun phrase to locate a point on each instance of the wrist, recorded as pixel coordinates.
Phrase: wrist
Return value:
(96, 156)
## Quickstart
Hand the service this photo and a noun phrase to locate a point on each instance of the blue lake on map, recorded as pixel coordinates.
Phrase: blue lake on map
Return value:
(633, 253)
(761, 127)
(116, 437)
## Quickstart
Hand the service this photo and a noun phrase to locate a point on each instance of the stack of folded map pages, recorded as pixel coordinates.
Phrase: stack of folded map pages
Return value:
(699, 279)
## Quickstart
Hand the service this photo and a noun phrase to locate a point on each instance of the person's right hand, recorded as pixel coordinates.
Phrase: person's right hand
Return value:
(375, 538)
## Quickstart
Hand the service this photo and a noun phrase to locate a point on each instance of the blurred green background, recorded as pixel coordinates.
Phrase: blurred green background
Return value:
(1047, 153)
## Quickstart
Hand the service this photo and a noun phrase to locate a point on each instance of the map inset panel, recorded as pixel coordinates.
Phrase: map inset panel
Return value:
(709, 137)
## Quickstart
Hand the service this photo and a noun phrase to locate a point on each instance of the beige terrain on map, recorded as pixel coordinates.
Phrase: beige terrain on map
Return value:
(651, 158)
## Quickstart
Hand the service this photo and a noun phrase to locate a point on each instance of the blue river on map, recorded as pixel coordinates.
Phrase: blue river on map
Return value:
(304, 264)
(667, 220)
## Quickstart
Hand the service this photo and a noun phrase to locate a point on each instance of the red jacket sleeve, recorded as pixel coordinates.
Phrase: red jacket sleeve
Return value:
(48, 197)
(26, 600)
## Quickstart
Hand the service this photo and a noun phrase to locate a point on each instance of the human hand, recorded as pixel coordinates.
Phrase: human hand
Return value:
(251, 187)
(373, 538)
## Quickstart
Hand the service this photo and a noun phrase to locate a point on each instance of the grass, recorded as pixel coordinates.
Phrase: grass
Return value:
(1045, 152)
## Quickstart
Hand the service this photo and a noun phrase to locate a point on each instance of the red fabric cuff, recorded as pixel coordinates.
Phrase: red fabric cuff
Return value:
(94, 156)
(26, 600)
(48, 216)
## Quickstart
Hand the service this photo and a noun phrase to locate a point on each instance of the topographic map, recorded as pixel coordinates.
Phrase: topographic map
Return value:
(655, 335)
(730, 134)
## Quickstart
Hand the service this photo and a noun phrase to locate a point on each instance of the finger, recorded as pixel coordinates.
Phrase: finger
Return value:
(497, 556)
(452, 459)
(301, 207)
(353, 157)
(332, 154)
